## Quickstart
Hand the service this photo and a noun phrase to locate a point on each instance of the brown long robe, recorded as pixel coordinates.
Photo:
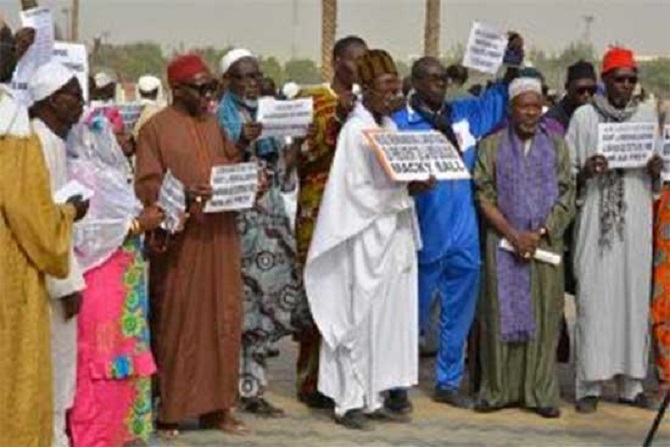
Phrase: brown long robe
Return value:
(195, 285)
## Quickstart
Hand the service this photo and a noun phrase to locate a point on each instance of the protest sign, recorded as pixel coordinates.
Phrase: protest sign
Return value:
(486, 48)
(234, 187)
(665, 153)
(172, 200)
(409, 156)
(627, 145)
(75, 57)
(284, 118)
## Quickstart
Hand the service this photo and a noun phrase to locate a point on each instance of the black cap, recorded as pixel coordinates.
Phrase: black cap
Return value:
(581, 70)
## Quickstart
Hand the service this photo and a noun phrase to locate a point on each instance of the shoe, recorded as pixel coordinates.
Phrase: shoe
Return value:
(386, 415)
(354, 420)
(483, 406)
(398, 402)
(640, 401)
(549, 412)
(272, 353)
(317, 401)
(260, 407)
(587, 405)
(453, 398)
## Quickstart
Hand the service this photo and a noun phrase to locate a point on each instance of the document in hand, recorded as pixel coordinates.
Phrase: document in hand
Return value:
(234, 187)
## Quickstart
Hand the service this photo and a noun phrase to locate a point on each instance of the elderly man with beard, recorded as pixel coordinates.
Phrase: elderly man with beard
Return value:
(613, 244)
(525, 191)
(361, 271)
(195, 275)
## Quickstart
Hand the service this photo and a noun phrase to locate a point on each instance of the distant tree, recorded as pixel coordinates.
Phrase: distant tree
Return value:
(212, 56)
(272, 67)
(129, 61)
(302, 71)
(655, 76)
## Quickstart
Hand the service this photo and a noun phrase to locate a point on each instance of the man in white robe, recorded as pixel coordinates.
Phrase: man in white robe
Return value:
(613, 245)
(58, 105)
(361, 271)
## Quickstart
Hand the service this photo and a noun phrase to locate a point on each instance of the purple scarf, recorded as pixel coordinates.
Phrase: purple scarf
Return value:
(527, 188)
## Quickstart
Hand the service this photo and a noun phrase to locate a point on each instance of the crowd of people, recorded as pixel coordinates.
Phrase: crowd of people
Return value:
(115, 325)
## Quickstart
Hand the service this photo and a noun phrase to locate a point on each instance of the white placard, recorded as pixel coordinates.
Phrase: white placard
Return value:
(71, 189)
(545, 256)
(665, 153)
(75, 57)
(486, 48)
(410, 156)
(627, 145)
(172, 200)
(285, 118)
(234, 187)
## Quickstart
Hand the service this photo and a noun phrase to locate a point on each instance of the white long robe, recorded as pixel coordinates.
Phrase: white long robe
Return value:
(361, 276)
(63, 333)
(613, 290)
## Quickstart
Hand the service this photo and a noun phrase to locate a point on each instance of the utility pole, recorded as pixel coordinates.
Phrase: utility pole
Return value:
(431, 42)
(294, 35)
(588, 24)
(74, 32)
(328, 30)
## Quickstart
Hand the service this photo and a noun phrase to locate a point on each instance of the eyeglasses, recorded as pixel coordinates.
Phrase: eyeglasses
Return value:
(583, 90)
(203, 89)
(245, 77)
(623, 79)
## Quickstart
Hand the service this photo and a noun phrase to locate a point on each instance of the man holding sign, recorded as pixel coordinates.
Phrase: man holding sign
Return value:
(613, 240)
(449, 262)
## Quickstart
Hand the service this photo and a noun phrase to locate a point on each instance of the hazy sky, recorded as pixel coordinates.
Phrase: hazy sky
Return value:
(266, 26)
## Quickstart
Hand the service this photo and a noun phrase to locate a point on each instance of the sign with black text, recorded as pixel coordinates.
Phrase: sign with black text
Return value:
(486, 48)
(284, 118)
(234, 187)
(410, 156)
(627, 145)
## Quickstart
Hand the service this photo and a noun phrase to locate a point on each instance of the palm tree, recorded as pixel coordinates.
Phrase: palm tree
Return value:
(328, 30)
(432, 29)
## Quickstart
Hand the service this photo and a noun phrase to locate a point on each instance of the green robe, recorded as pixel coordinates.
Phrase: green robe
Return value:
(522, 373)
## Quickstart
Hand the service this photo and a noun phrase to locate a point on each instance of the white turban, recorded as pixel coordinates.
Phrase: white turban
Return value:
(520, 86)
(290, 90)
(148, 83)
(233, 56)
(48, 79)
(102, 79)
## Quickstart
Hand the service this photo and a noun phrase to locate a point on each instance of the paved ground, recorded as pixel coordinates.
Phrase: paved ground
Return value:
(434, 424)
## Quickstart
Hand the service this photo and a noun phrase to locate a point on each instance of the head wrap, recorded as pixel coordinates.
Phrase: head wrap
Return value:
(374, 63)
(48, 79)
(618, 57)
(183, 68)
(232, 57)
(581, 70)
(102, 79)
(148, 83)
(523, 85)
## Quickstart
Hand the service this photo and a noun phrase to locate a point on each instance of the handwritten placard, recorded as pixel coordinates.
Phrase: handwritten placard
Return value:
(172, 200)
(234, 187)
(285, 118)
(627, 145)
(486, 48)
(75, 57)
(409, 156)
(665, 153)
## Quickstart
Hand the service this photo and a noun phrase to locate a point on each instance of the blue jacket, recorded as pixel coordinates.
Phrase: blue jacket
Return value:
(447, 214)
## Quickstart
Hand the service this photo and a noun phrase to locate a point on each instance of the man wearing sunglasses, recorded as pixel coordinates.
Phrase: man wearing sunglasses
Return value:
(196, 288)
(613, 244)
(580, 87)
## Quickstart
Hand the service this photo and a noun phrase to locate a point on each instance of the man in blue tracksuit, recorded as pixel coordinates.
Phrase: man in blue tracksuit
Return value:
(449, 263)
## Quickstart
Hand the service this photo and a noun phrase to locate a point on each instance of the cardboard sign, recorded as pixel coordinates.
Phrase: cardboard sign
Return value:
(172, 200)
(284, 118)
(75, 57)
(410, 156)
(627, 145)
(486, 48)
(234, 187)
(665, 153)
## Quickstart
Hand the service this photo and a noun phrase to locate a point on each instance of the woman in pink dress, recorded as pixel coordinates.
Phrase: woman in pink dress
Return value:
(114, 366)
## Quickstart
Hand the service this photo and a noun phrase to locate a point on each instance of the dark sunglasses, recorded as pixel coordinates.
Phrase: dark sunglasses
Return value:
(590, 90)
(203, 89)
(623, 79)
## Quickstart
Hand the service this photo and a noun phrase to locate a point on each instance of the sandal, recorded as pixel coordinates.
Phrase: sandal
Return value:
(167, 431)
(225, 422)
(261, 407)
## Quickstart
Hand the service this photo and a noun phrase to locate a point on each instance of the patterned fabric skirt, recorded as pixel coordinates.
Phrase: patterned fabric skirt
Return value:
(660, 305)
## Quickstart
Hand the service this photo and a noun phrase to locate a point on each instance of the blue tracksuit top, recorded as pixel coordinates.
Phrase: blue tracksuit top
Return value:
(447, 214)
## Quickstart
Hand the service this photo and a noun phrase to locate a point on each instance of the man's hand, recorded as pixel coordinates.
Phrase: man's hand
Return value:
(418, 187)
(80, 207)
(251, 132)
(655, 166)
(71, 305)
(526, 244)
(24, 37)
(594, 166)
(196, 196)
(150, 218)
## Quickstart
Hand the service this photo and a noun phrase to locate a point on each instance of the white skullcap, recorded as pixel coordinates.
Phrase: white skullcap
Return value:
(520, 86)
(290, 90)
(102, 79)
(48, 79)
(148, 83)
(233, 56)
